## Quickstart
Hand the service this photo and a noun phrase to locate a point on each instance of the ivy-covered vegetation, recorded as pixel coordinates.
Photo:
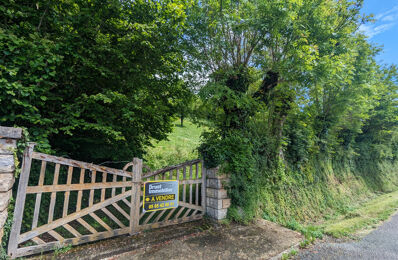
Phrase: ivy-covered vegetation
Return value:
(303, 118)
(296, 107)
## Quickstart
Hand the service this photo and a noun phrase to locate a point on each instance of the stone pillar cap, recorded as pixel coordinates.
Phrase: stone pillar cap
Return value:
(10, 132)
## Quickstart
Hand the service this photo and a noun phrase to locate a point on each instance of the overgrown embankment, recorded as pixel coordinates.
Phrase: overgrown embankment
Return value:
(336, 191)
(323, 191)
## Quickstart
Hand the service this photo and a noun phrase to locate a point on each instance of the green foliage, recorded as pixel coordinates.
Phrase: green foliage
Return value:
(289, 255)
(90, 79)
(301, 115)
(61, 250)
(6, 230)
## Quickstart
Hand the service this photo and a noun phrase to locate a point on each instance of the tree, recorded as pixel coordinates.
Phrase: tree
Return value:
(286, 42)
(184, 102)
(93, 79)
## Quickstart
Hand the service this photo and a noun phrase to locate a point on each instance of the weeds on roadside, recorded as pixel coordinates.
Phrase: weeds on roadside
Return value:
(292, 253)
(61, 250)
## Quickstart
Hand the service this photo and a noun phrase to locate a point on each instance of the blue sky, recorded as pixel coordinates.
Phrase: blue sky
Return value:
(385, 30)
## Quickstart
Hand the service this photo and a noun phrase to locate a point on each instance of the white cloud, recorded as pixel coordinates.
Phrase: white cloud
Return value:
(384, 22)
(392, 10)
(389, 18)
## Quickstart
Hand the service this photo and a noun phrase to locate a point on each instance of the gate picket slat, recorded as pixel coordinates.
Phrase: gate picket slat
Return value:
(38, 241)
(38, 196)
(159, 216)
(196, 185)
(126, 202)
(53, 195)
(149, 217)
(72, 230)
(109, 214)
(184, 176)
(104, 175)
(66, 196)
(100, 221)
(87, 226)
(179, 213)
(80, 192)
(190, 185)
(187, 213)
(121, 210)
(124, 180)
(170, 214)
(56, 235)
(114, 189)
(91, 198)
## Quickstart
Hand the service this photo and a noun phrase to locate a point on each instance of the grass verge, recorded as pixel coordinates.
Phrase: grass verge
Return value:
(366, 216)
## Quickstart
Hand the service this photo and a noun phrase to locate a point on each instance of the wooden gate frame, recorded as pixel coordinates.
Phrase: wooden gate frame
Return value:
(188, 209)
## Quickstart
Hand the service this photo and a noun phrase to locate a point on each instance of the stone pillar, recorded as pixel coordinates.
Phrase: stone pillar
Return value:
(217, 201)
(8, 142)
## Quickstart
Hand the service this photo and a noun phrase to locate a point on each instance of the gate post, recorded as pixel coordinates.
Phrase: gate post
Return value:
(135, 196)
(217, 201)
(8, 143)
(20, 201)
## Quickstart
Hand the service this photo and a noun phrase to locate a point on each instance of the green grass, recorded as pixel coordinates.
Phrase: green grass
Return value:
(181, 146)
(363, 217)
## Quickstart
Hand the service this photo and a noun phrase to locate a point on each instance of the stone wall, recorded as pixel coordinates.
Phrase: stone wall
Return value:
(8, 142)
(217, 201)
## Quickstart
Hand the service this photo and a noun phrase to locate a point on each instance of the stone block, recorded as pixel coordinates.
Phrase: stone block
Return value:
(214, 173)
(214, 203)
(218, 203)
(10, 132)
(217, 214)
(6, 181)
(7, 146)
(6, 163)
(3, 218)
(216, 193)
(226, 203)
(5, 199)
(216, 183)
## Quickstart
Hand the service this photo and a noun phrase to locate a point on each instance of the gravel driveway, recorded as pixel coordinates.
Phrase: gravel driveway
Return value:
(382, 243)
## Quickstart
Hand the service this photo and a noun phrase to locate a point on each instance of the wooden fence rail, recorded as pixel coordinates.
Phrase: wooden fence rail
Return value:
(67, 202)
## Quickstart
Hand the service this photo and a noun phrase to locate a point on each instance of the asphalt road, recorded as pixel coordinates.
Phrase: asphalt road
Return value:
(382, 243)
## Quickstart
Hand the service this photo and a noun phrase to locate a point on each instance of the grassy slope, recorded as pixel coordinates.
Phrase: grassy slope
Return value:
(365, 216)
(180, 146)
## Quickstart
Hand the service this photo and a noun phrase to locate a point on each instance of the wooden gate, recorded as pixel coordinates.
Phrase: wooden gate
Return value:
(66, 202)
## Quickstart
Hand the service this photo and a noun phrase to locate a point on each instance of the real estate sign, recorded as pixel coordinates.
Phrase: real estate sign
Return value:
(160, 195)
